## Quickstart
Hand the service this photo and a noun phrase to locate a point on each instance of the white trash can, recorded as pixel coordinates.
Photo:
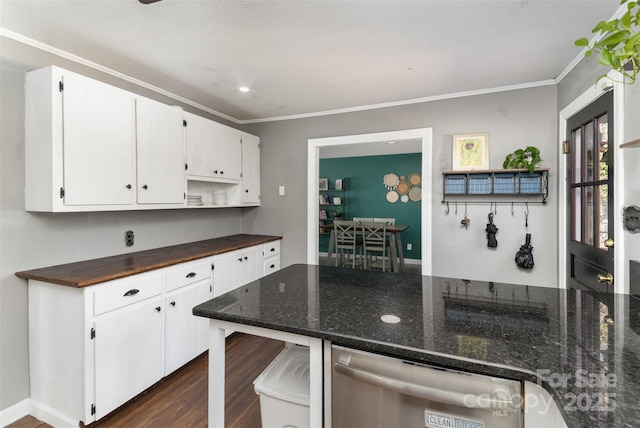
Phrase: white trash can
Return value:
(283, 388)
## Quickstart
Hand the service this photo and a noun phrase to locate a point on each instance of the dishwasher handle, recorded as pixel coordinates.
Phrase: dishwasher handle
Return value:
(425, 392)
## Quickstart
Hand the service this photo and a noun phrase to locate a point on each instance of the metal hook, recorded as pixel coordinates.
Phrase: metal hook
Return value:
(512, 211)
(465, 209)
(447, 210)
(456, 208)
(526, 215)
(495, 208)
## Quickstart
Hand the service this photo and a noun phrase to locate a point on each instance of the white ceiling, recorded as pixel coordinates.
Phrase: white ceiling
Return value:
(306, 57)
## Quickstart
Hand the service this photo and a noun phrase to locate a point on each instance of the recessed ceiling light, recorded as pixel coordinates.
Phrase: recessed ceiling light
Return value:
(244, 89)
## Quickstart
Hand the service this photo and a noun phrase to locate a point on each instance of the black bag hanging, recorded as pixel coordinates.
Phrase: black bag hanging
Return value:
(491, 230)
(524, 257)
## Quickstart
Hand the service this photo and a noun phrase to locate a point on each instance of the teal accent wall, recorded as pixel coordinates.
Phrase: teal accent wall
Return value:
(366, 194)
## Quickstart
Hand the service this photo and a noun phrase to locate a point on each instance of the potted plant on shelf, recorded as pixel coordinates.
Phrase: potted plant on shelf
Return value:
(618, 45)
(526, 158)
(338, 214)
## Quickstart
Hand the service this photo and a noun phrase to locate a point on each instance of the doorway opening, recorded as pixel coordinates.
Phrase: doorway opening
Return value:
(424, 135)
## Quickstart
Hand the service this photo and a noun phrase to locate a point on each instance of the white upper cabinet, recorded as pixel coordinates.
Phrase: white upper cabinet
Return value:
(250, 169)
(160, 152)
(90, 146)
(80, 143)
(98, 141)
(213, 150)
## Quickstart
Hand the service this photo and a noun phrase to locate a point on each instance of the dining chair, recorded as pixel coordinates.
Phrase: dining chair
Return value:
(363, 219)
(374, 236)
(348, 242)
(391, 221)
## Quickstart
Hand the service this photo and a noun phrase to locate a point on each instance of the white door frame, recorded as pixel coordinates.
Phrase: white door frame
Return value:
(612, 81)
(314, 145)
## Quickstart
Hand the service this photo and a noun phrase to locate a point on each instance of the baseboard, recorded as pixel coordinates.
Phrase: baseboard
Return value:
(51, 416)
(14, 413)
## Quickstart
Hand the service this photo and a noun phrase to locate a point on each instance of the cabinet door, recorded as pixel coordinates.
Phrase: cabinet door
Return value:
(247, 266)
(160, 151)
(98, 140)
(128, 353)
(250, 169)
(223, 268)
(186, 336)
(213, 150)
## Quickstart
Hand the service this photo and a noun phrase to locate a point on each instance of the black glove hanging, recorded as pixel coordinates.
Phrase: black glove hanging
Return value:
(524, 257)
(491, 230)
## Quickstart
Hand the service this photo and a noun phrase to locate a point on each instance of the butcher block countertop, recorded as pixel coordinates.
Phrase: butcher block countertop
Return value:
(95, 271)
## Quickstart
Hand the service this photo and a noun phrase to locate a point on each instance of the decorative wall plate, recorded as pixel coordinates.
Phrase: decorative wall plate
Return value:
(402, 187)
(415, 194)
(404, 198)
(391, 180)
(392, 196)
(415, 179)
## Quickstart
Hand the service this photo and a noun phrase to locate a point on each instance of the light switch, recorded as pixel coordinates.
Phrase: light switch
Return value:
(281, 190)
(409, 247)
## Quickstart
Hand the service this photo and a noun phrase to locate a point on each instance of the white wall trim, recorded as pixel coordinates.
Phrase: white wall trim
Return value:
(586, 98)
(313, 168)
(15, 412)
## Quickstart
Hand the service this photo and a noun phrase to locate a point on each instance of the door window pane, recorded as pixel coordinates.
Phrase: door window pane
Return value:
(577, 214)
(603, 220)
(590, 153)
(576, 149)
(603, 146)
(589, 215)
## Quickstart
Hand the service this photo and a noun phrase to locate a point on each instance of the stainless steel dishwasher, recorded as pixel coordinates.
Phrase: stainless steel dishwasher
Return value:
(370, 390)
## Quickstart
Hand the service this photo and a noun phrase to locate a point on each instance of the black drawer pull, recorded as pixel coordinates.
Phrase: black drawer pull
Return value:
(245, 257)
(191, 275)
(173, 303)
(131, 292)
(273, 249)
(272, 266)
(158, 308)
(240, 259)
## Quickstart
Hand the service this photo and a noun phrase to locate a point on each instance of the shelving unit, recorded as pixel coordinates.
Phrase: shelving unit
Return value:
(328, 208)
(510, 185)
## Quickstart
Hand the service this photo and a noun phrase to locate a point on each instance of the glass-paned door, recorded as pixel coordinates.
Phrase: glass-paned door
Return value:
(590, 249)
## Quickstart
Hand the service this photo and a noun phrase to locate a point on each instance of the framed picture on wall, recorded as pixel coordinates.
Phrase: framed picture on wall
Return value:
(323, 184)
(338, 183)
(470, 151)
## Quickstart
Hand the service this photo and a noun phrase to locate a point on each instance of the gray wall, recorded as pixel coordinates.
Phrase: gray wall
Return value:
(33, 240)
(513, 119)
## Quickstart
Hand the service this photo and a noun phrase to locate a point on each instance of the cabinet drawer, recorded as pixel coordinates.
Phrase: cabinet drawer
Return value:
(188, 273)
(271, 265)
(123, 292)
(271, 249)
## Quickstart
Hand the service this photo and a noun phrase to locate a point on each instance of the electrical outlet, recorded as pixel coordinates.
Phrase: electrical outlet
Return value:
(409, 247)
(128, 238)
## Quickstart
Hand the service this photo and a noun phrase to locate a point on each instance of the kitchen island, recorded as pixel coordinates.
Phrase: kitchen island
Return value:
(571, 343)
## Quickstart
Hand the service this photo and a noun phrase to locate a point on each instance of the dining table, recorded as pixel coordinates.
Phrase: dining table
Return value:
(396, 255)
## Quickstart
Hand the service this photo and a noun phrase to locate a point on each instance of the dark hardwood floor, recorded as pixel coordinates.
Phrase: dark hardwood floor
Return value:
(180, 400)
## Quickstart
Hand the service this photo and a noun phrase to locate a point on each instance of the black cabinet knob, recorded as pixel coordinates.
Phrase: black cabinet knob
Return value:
(215, 171)
(158, 308)
(128, 186)
(246, 191)
(145, 187)
(173, 303)
(221, 172)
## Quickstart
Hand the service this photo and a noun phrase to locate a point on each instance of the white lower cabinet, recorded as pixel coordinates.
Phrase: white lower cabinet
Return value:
(92, 349)
(186, 336)
(128, 353)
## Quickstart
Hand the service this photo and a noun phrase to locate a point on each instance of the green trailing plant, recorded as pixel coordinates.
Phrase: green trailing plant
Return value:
(526, 158)
(619, 48)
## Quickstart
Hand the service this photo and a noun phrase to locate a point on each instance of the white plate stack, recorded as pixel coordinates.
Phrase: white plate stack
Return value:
(194, 199)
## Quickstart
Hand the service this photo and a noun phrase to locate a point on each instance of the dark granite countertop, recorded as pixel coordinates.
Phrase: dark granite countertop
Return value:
(95, 271)
(572, 343)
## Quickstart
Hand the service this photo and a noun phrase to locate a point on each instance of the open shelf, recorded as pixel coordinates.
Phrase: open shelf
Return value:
(496, 183)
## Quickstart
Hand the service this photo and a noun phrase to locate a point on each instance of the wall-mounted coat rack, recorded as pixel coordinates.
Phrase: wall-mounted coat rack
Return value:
(510, 186)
